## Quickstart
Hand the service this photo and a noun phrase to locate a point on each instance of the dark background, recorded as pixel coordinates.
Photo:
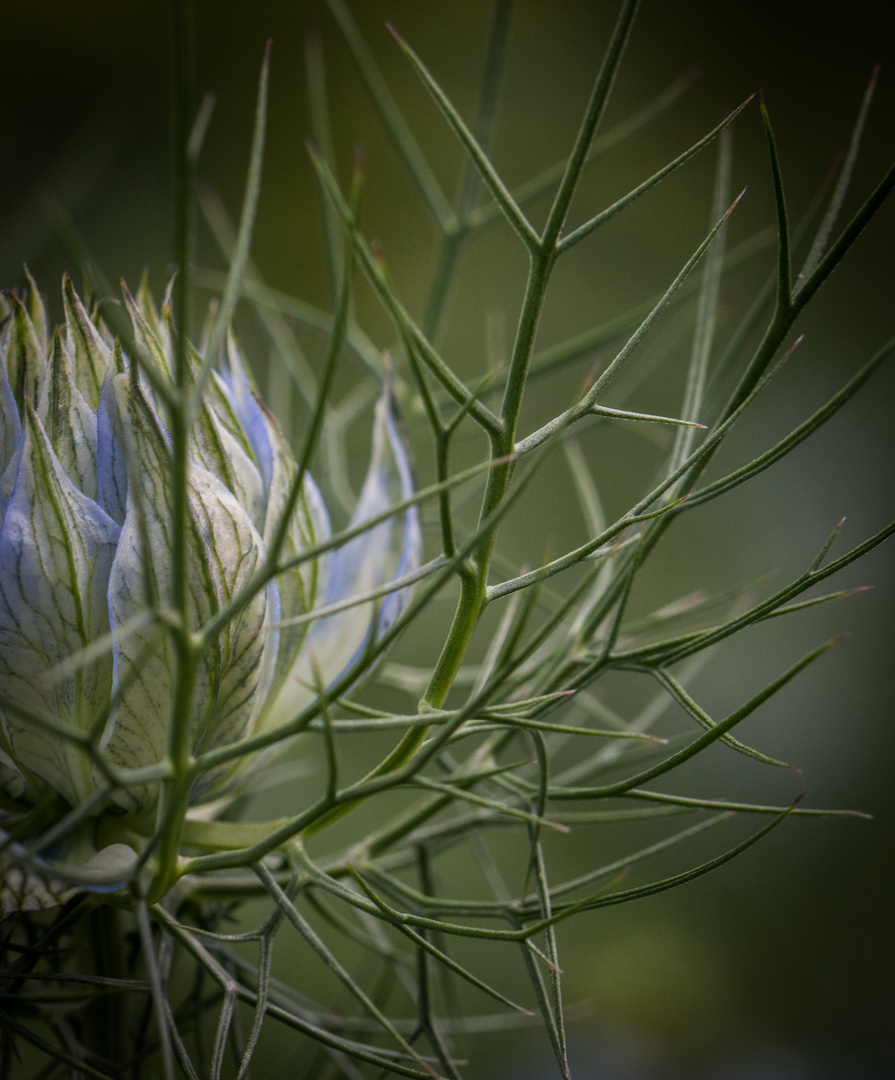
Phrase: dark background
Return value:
(781, 964)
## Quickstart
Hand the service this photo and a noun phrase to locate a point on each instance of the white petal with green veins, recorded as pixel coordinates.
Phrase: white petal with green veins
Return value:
(26, 357)
(146, 305)
(224, 551)
(149, 348)
(35, 305)
(111, 462)
(70, 422)
(91, 354)
(56, 552)
(10, 425)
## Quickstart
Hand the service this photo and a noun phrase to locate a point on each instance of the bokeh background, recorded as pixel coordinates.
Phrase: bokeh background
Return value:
(780, 965)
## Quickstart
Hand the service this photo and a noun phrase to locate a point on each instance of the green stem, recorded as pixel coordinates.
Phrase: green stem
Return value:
(469, 607)
(543, 260)
(474, 580)
(465, 619)
(175, 791)
(474, 573)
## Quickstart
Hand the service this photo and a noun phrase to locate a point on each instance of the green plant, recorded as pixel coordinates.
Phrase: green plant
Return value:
(510, 749)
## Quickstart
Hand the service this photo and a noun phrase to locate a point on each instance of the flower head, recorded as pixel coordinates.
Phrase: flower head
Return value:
(87, 664)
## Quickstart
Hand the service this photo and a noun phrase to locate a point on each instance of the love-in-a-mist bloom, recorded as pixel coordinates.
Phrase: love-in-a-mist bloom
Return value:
(87, 664)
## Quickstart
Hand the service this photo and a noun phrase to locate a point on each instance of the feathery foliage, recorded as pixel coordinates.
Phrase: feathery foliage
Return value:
(494, 739)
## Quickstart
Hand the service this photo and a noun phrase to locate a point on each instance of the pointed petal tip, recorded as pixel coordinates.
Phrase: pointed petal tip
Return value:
(391, 29)
(793, 348)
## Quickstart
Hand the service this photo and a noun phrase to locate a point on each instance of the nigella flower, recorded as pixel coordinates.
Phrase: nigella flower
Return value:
(86, 663)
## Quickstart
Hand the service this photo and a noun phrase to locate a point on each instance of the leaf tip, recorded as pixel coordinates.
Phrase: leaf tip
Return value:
(788, 354)
(400, 40)
(378, 255)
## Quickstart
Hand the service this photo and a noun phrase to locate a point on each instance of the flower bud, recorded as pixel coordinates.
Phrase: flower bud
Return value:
(88, 664)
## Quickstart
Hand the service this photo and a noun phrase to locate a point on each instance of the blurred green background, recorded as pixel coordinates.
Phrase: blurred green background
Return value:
(780, 965)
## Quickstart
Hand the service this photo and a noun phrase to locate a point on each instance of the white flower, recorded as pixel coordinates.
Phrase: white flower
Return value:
(85, 545)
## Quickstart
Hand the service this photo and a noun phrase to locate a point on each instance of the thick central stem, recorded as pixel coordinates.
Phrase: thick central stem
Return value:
(474, 574)
(174, 799)
(469, 608)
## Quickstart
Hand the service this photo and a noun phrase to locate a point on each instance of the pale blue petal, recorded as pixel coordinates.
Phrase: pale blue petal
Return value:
(9, 474)
(302, 587)
(374, 558)
(10, 424)
(253, 417)
(412, 536)
(56, 551)
(111, 464)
